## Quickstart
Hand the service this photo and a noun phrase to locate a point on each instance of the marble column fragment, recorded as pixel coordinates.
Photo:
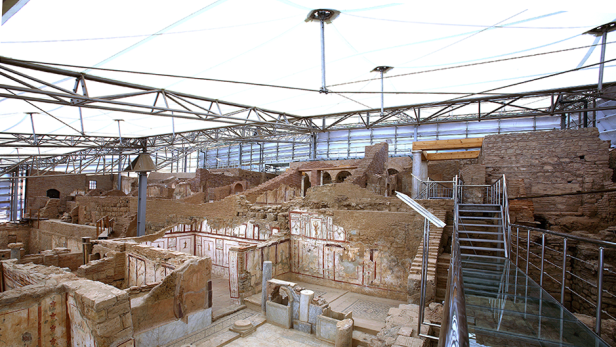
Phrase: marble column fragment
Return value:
(304, 304)
(267, 275)
(344, 333)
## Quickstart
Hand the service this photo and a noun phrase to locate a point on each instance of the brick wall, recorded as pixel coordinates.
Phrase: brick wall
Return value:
(92, 208)
(552, 162)
(65, 184)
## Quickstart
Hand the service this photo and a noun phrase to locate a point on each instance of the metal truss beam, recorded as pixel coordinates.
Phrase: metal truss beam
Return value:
(236, 123)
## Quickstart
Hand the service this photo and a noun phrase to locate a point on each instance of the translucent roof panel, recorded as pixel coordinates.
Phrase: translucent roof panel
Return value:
(438, 49)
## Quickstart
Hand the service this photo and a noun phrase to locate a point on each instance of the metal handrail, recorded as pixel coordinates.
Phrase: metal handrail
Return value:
(606, 244)
(454, 327)
(563, 268)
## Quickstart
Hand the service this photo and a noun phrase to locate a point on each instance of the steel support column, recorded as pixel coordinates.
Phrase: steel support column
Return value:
(142, 198)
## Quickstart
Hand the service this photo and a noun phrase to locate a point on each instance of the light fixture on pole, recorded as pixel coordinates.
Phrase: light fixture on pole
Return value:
(602, 31)
(382, 70)
(322, 16)
(142, 165)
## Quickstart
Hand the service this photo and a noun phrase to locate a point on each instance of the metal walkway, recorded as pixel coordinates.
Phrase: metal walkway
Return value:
(504, 307)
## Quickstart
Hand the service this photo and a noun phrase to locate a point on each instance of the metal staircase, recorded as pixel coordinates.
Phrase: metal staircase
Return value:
(481, 230)
(490, 301)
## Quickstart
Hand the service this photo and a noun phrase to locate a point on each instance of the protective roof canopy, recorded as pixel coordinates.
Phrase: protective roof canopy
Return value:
(269, 42)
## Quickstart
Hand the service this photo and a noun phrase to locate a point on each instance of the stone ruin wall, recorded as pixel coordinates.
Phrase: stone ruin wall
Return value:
(45, 303)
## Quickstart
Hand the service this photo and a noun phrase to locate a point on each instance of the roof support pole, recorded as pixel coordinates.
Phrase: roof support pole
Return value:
(32, 122)
(143, 183)
(119, 156)
(603, 39)
(323, 87)
(382, 97)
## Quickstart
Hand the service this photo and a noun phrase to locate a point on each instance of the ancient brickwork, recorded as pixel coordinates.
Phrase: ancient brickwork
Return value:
(373, 163)
(552, 162)
(64, 184)
(52, 234)
(109, 270)
(59, 257)
(92, 208)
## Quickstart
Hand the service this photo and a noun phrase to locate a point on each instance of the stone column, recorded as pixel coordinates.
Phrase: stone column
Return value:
(344, 333)
(267, 275)
(304, 304)
(15, 250)
(417, 171)
(303, 185)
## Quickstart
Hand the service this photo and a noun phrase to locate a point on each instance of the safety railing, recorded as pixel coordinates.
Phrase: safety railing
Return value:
(454, 327)
(569, 267)
(492, 194)
(433, 189)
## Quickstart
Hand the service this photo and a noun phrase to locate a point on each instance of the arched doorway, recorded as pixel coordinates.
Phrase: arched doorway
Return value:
(238, 188)
(53, 194)
(341, 176)
(391, 172)
(327, 178)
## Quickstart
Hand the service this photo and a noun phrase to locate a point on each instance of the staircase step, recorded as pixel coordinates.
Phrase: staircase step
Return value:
(481, 240)
(480, 205)
(482, 256)
(476, 217)
(481, 225)
(480, 211)
(479, 232)
(482, 249)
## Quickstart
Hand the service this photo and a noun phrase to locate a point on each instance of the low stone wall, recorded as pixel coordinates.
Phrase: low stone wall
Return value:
(59, 257)
(49, 234)
(49, 307)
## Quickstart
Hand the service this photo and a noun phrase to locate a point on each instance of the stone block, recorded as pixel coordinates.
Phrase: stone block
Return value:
(280, 315)
(302, 326)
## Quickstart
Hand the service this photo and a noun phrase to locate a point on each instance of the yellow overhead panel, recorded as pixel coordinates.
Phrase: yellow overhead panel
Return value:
(448, 144)
(451, 155)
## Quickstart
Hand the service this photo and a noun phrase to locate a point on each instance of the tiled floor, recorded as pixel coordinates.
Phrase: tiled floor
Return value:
(271, 335)
(366, 309)
(221, 325)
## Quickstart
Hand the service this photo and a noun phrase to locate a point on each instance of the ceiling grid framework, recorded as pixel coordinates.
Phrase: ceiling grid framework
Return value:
(75, 101)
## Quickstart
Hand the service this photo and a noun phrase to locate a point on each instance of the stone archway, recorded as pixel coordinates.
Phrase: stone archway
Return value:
(53, 194)
(391, 172)
(341, 176)
(238, 188)
(327, 178)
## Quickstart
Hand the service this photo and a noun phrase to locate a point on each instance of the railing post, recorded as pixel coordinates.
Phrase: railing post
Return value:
(564, 277)
(527, 249)
(517, 246)
(542, 257)
(599, 291)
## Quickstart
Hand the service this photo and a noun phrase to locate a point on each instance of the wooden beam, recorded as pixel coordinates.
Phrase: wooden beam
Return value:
(448, 144)
(329, 168)
(452, 155)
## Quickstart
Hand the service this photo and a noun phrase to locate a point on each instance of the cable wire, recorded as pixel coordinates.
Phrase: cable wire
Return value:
(472, 64)
(145, 35)
(461, 25)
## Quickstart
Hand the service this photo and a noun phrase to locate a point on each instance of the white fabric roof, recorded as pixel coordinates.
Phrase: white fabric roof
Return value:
(268, 42)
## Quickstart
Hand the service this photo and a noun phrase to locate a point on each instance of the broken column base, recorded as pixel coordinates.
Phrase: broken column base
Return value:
(243, 327)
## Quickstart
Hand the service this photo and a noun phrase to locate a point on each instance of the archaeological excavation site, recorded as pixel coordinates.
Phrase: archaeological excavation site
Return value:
(182, 175)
